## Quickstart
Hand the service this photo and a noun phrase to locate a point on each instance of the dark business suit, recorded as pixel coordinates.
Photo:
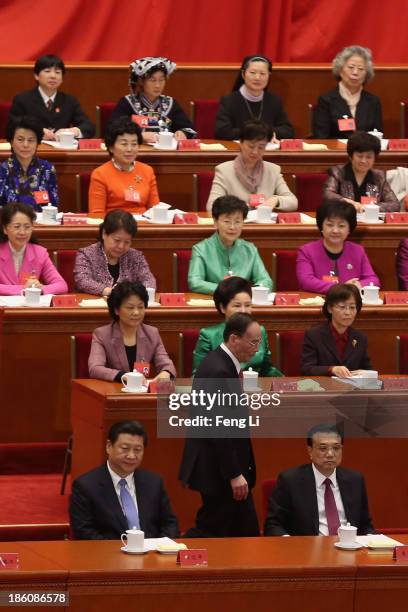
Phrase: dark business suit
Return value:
(320, 351)
(96, 513)
(331, 107)
(208, 465)
(66, 111)
(293, 505)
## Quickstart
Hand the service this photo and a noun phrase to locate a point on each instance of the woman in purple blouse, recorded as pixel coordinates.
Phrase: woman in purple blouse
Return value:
(99, 267)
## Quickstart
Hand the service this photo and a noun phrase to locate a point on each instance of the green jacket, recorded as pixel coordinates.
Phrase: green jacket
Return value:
(211, 337)
(211, 261)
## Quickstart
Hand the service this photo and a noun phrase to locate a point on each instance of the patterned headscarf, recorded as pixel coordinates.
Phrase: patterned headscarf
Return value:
(141, 67)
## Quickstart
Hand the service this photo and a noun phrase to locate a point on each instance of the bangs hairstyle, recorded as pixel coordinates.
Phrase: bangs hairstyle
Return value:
(225, 205)
(121, 292)
(255, 129)
(7, 213)
(340, 293)
(25, 123)
(363, 142)
(119, 127)
(228, 288)
(237, 324)
(133, 428)
(245, 64)
(323, 428)
(345, 54)
(339, 210)
(116, 220)
(49, 61)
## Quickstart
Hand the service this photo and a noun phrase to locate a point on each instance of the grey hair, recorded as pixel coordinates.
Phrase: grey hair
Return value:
(344, 55)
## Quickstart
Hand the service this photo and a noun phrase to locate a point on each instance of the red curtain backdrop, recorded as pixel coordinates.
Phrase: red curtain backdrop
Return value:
(201, 30)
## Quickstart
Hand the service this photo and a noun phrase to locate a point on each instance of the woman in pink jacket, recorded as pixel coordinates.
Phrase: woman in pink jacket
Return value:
(22, 262)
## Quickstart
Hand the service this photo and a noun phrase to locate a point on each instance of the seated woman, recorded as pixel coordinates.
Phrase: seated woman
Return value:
(352, 68)
(147, 80)
(248, 173)
(122, 182)
(118, 346)
(351, 181)
(335, 348)
(99, 267)
(24, 177)
(402, 264)
(23, 263)
(225, 254)
(250, 100)
(233, 294)
(334, 259)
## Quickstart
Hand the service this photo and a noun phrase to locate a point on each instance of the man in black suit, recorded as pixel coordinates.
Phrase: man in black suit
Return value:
(222, 469)
(118, 495)
(53, 109)
(314, 499)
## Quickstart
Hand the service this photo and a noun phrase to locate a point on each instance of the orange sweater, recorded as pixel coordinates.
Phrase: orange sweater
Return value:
(108, 185)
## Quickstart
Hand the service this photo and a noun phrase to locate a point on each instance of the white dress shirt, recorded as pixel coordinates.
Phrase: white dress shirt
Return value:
(234, 359)
(130, 482)
(320, 489)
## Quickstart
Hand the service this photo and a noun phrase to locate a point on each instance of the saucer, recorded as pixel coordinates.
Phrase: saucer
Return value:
(141, 390)
(172, 147)
(355, 546)
(378, 303)
(264, 303)
(153, 304)
(132, 551)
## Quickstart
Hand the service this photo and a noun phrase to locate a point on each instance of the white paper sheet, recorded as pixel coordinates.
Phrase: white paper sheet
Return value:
(18, 301)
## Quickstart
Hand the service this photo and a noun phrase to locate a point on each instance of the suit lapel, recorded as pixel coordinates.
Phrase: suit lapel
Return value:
(7, 264)
(329, 342)
(140, 498)
(308, 491)
(351, 346)
(346, 495)
(119, 347)
(142, 353)
(111, 499)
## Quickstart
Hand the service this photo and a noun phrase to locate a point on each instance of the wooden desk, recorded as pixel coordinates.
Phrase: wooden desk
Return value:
(96, 405)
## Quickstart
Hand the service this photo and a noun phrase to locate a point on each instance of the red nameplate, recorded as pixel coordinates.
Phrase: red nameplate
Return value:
(172, 299)
(398, 144)
(400, 554)
(90, 143)
(74, 219)
(295, 144)
(65, 301)
(290, 217)
(396, 297)
(143, 367)
(368, 200)
(256, 199)
(141, 121)
(152, 386)
(9, 561)
(389, 384)
(189, 145)
(186, 219)
(194, 556)
(287, 299)
(397, 217)
(41, 197)
(346, 125)
(280, 386)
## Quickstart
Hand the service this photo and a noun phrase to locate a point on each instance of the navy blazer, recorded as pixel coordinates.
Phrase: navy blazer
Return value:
(293, 505)
(96, 513)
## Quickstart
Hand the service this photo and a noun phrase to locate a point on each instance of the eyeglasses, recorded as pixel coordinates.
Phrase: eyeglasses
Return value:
(346, 307)
(255, 343)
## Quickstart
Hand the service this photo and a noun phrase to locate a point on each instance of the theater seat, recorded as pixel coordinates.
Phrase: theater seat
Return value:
(80, 349)
(284, 270)
(202, 183)
(4, 115)
(402, 354)
(82, 181)
(103, 115)
(203, 114)
(289, 346)
(187, 342)
(267, 487)
(181, 262)
(64, 261)
(308, 188)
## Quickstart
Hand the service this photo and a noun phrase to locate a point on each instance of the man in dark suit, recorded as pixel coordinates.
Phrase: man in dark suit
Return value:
(222, 469)
(119, 495)
(54, 110)
(314, 499)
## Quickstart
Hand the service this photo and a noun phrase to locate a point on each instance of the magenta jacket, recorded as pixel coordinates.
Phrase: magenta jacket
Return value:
(36, 261)
(313, 264)
(108, 354)
(402, 264)
(92, 275)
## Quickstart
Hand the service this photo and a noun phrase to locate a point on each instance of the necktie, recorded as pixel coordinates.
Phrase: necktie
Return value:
(50, 104)
(330, 507)
(128, 505)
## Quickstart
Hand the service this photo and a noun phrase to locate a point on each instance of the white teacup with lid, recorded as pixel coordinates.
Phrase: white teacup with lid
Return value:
(66, 138)
(32, 296)
(260, 294)
(49, 214)
(250, 379)
(160, 213)
(347, 535)
(263, 214)
(371, 212)
(165, 140)
(370, 294)
(133, 381)
(133, 539)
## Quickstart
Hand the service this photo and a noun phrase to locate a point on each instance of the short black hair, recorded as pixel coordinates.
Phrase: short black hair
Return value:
(24, 122)
(121, 126)
(339, 210)
(363, 142)
(225, 205)
(121, 292)
(228, 288)
(48, 61)
(339, 293)
(133, 428)
(7, 213)
(237, 324)
(325, 428)
(255, 129)
(118, 219)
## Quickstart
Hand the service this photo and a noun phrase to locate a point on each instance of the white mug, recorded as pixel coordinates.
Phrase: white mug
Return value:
(160, 213)
(260, 295)
(263, 214)
(250, 379)
(347, 534)
(66, 138)
(151, 292)
(376, 133)
(133, 539)
(32, 295)
(371, 212)
(165, 139)
(49, 214)
(370, 294)
(132, 380)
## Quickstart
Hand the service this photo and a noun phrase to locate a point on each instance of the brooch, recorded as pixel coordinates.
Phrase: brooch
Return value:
(349, 266)
(354, 343)
(138, 178)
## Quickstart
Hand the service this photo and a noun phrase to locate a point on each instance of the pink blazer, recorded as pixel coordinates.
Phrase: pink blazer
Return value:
(36, 261)
(108, 354)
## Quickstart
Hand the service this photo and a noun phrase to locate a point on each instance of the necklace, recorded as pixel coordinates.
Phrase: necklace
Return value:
(251, 114)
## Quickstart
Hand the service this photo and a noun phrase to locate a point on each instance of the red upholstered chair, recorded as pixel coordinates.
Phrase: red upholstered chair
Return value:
(289, 346)
(181, 261)
(267, 487)
(103, 115)
(310, 111)
(308, 188)
(203, 113)
(284, 270)
(187, 342)
(82, 181)
(402, 354)
(202, 183)
(4, 115)
(64, 261)
(403, 118)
